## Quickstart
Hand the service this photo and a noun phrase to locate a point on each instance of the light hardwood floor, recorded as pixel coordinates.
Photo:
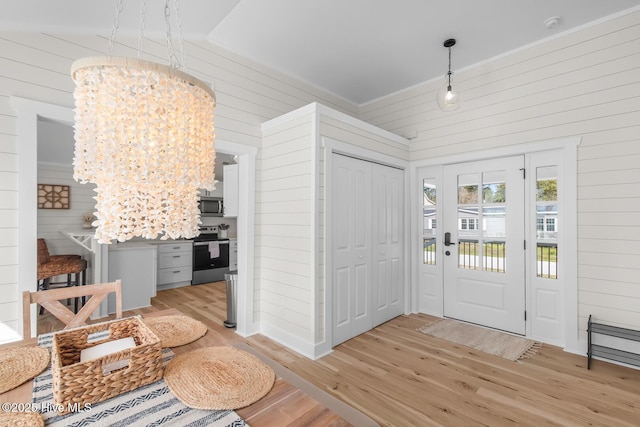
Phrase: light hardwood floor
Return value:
(401, 377)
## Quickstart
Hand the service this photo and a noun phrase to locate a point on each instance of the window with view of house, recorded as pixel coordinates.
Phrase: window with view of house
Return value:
(547, 222)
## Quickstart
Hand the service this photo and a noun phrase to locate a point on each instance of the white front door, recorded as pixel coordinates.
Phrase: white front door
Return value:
(483, 236)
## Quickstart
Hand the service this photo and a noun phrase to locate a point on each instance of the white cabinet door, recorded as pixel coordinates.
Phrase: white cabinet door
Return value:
(230, 190)
(233, 255)
(136, 267)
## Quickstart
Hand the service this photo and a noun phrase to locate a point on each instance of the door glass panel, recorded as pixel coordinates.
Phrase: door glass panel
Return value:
(468, 254)
(494, 256)
(494, 187)
(494, 221)
(468, 189)
(547, 222)
(429, 223)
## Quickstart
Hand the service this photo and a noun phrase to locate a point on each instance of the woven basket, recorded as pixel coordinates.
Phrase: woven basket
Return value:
(77, 384)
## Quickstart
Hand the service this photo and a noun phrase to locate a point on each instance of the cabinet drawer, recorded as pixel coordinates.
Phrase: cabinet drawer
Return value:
(175, 259)
(174, 247)
(172, 275)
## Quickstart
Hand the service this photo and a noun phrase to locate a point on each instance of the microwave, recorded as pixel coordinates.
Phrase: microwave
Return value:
(211, 206)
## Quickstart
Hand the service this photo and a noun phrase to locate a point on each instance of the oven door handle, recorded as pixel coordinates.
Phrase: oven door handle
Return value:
(220, 242)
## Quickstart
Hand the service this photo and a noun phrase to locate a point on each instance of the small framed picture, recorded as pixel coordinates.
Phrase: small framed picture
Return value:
(52, 196)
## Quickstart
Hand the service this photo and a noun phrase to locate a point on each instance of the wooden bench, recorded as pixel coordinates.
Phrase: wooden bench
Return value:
(610, 352)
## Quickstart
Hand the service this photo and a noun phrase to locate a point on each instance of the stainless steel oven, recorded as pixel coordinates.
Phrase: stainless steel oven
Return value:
(210, 256)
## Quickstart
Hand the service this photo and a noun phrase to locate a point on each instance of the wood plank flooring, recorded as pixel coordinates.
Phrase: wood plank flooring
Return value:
(401, 377)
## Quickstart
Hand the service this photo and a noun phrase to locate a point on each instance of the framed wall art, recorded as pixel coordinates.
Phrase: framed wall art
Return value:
(52, 196)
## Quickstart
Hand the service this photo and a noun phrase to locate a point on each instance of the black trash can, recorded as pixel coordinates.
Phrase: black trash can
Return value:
(232, 291)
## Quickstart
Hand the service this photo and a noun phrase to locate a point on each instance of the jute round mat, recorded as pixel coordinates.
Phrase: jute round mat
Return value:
(21, 419)
(175, 331)
(218, 378)
(20, 364)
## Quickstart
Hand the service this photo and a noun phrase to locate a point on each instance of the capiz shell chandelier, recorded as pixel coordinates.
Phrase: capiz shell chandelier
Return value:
(145, 136)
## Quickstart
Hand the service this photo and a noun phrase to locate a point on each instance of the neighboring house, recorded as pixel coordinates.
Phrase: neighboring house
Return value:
(584, 84)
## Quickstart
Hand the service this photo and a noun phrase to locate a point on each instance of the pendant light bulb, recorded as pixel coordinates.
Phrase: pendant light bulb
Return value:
(448, 98)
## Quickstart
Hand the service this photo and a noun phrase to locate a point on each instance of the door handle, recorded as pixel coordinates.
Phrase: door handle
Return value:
(447, 239)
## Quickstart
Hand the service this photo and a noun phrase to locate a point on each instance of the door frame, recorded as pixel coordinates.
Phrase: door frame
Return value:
(568, 149)
(332, 146)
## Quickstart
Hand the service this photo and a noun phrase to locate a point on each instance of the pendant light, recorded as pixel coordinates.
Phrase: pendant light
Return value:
(145, 136)
(448, 98)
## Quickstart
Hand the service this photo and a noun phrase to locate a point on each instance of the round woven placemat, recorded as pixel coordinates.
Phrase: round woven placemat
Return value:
(21, 419)
(175, 331)
(218, 378)
(20, 364)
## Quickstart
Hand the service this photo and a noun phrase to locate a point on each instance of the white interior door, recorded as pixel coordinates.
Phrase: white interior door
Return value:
(352, 250)
(484, 262)
(388, 202)
(368, 245)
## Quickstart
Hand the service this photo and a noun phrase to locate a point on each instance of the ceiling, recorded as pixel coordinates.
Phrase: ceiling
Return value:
(360, 50)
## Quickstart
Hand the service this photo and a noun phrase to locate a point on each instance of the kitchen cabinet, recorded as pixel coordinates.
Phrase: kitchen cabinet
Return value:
(217, 192)
(175, 264)
(135, 264)
(233, 254)
(230, 190)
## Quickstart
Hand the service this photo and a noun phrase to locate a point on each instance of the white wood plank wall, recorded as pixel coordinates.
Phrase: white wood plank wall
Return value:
(284, 229)
(37, 66)
(585, 83)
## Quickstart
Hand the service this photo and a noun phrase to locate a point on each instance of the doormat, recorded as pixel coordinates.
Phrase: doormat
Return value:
(482, 339)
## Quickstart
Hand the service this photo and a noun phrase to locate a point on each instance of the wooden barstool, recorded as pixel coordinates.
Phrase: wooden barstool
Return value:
(59, 265)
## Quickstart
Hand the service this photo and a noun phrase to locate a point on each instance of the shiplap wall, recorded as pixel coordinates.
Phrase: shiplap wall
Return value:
(36, 66)
(290, 219)
(585, 83)
(284, 231)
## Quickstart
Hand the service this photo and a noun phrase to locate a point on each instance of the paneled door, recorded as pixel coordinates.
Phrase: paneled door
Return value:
(484, 262)
(387, 211)
(367, 245)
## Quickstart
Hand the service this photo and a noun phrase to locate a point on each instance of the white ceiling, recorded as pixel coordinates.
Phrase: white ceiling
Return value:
(358, 49)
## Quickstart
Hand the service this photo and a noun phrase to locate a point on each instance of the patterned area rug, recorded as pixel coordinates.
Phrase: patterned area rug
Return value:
(487, 340)
(151, 405)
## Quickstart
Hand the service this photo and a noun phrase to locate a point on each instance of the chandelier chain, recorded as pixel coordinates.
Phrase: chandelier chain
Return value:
(180, 35)
(114, 27)
(143, 13)
(173, 61)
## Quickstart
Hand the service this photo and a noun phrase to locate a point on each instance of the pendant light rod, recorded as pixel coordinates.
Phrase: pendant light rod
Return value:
(448, 99)
(448, 44)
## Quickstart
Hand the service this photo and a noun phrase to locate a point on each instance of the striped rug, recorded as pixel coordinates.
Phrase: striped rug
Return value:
(151, 405)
